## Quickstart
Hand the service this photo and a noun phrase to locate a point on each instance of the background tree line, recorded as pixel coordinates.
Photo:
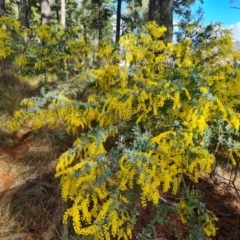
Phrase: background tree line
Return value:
(100, 19)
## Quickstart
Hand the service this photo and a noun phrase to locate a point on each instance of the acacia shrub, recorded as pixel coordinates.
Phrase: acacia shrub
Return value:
(141, 128)
(45, 51)
(52, 51)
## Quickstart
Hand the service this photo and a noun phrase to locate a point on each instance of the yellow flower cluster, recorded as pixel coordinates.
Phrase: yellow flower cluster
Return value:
(105, 50)
(92, 205)
(155, 30)
(120, 107)
(201, 163)
(209, 226)
(183, 211)
(44, 33)
(163, 166)
(108, 76)
(7, 27)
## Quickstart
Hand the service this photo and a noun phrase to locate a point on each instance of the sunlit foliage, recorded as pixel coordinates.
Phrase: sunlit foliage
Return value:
(154, 114)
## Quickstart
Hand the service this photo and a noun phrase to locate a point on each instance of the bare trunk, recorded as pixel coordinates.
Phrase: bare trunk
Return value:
(56, 4)
(26, 14)
(57, 15)
(85, 33)
(2, 8)
(63, 13)
(100, 21)
(166, 18)
(118, 26)
(151, 10)
(45, 12)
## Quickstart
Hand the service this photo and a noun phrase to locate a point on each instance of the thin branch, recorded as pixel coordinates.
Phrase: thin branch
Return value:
(168, 202)
(217, 147)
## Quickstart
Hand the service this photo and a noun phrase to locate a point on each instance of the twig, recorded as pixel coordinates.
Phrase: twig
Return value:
(168, 202)
(233, 215)
(216, 150)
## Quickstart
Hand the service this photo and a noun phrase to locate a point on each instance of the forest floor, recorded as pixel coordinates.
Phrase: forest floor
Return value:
(30, 203)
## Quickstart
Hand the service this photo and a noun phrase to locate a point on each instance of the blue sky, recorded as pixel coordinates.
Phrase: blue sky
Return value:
(222, 11)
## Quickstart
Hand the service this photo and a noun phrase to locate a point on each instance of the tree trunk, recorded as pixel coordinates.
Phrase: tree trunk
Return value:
(166, 18)
(45, 12)
(118, 26)
(57, 15)
(63, 13)
(100, 21)
(26, 14)
(2, 8)
(56, 4)
(85, 33)
(151, 10)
